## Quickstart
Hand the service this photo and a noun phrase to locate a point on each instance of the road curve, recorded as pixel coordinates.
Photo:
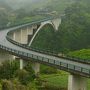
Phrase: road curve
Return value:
(67, 65)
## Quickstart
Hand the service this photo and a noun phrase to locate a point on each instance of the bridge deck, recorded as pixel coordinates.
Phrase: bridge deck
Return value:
(82, 68)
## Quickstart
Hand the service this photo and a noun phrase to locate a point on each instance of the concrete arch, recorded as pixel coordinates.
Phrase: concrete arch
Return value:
(41, 26)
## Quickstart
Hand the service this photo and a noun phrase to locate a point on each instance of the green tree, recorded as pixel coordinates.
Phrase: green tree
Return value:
(7, 69)
(23, 76)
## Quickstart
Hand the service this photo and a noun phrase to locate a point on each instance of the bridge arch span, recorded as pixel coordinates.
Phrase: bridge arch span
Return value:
(41, 26)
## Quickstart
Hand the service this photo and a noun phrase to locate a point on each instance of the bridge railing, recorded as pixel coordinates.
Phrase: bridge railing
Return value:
(56, 63)
(30, 23)
(29, 48)
(49, 52)
(72, 58)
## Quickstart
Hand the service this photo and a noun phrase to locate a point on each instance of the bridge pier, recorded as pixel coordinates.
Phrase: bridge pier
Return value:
(36, 68)
(21, 36)
(35, 65)
(76, 82)
(21, 64)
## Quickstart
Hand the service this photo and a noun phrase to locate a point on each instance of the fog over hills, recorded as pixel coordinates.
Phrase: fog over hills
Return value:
(15, 4)
(31, 4)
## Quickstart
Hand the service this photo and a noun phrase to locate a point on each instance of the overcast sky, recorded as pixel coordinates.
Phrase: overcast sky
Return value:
(20, 3)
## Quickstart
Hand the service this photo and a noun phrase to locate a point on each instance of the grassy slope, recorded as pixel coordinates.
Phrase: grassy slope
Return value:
(61, 80)
(58, 80)
(83, 54)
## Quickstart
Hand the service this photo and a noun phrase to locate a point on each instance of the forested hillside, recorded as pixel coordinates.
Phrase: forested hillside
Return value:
(4, 13)
(22, 11)
(74, 31)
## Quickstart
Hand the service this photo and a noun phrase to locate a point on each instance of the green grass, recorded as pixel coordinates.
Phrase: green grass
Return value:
(57, 80)
(83, 54)
(88, 84)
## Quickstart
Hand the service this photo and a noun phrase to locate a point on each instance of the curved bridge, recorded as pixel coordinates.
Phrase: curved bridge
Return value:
(22, 51)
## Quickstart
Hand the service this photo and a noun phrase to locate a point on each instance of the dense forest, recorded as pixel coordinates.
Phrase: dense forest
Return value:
(73, 33)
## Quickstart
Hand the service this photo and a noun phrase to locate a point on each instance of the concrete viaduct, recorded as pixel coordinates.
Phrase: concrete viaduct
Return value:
(16, 40)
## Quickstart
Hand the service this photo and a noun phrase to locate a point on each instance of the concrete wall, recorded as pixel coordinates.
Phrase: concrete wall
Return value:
(24, 36)
(17, 35)
(56, 23)
(36, 67)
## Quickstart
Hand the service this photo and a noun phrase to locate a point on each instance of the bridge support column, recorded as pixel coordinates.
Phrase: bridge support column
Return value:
(36, 68)
(56, 23)
(24, 36)
(76, 82)
(21, 64)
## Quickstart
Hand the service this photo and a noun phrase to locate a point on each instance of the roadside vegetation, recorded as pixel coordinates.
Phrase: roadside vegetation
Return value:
(11, 77)
(82, 54)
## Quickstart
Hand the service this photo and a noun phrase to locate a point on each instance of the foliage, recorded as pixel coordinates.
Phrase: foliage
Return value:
(23, 76)
(44, 39)
(7, 69)
(12, 85)
(6, 85)
(83, 54)
(3, 18)
(28, 67)
(73, 33)
(47, 70)
(53, 81)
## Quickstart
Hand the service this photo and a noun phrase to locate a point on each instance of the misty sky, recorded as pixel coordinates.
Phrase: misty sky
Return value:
(21, 3)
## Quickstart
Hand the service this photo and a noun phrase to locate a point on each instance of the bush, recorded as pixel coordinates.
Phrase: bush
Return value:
(82, 54)
(7, 85)
(23, 76)
(48, 70)
(11, 85)
(7, 69)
